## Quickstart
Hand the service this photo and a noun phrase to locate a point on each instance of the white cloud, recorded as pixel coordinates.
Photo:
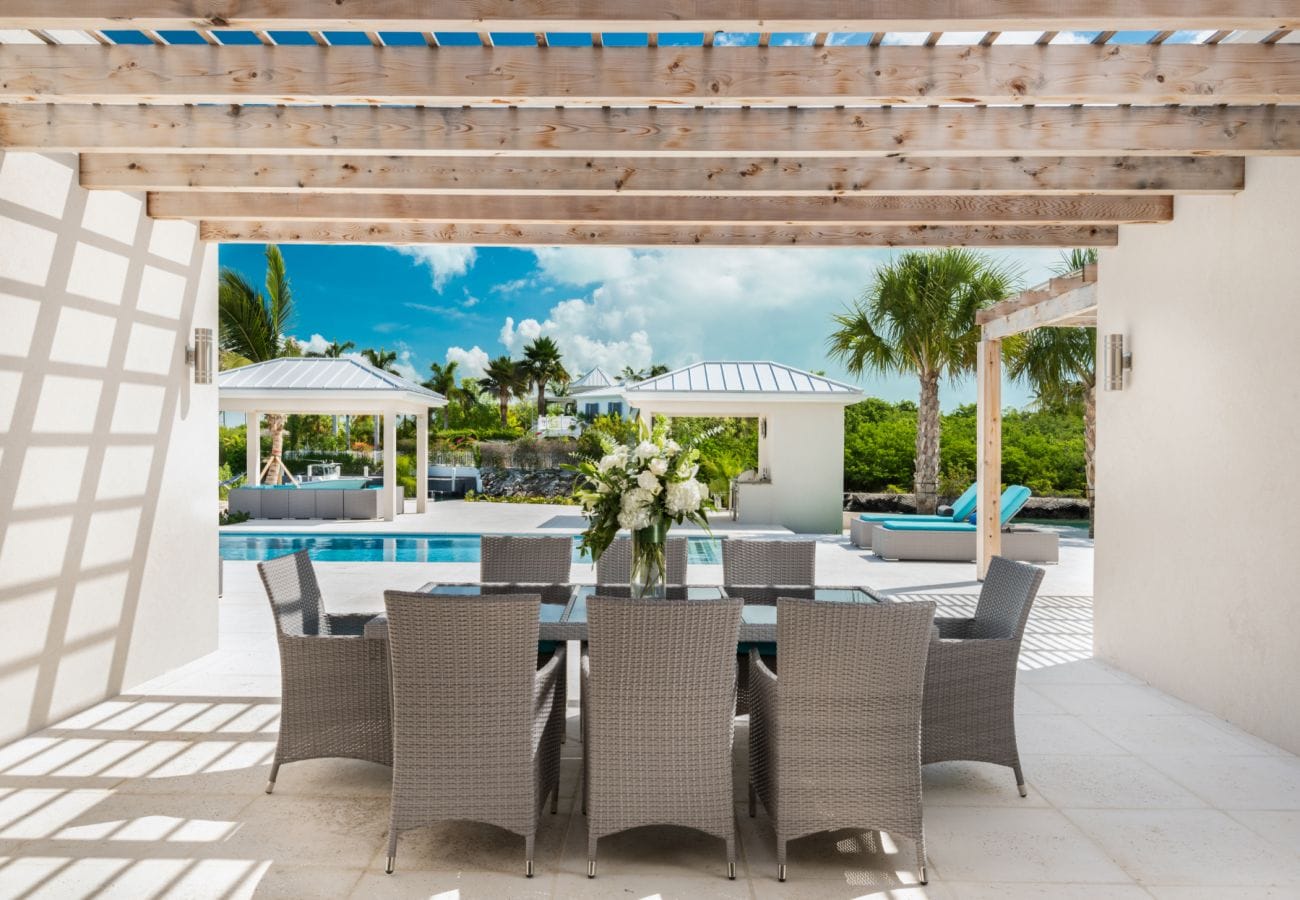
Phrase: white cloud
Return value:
(404, 366)
(579, 266)
(445, 261)
(314, 344)
(473, 362)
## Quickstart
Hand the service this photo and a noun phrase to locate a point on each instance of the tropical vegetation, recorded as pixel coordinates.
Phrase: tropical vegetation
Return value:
(917, 316)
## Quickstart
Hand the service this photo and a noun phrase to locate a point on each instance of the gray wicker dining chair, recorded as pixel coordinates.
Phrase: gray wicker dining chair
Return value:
(970, 680)
(474, 735)
(835, 742)
(333, 681)
(658, 690)
(615, 564)
(785, 563)
(527, 559)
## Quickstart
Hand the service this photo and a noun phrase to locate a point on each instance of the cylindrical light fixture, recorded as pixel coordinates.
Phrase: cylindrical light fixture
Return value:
(1114, 362)
(200, 355)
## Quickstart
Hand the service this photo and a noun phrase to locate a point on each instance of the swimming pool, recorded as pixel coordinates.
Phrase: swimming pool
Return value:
(458, 548)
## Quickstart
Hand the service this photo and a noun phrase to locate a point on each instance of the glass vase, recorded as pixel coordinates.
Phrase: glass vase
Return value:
(649, 572)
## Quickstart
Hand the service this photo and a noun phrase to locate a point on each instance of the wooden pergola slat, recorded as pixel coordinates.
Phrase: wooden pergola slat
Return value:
(1024, 131)
(744, 176)
(536, 235)
(693, 76)
(479, 210)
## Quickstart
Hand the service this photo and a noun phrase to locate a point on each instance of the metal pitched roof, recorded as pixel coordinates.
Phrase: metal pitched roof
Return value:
(596, 377)
(752, 378)
(312, 373)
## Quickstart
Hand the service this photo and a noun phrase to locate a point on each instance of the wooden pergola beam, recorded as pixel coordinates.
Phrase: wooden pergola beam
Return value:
(947, 131)
(1053, 288)
(637, 16)
(686, 211)
(691, 76)
(745, 176)
(1080, 301)
(649, 235)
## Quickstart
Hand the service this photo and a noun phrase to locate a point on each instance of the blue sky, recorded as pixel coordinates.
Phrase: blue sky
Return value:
(603, 305)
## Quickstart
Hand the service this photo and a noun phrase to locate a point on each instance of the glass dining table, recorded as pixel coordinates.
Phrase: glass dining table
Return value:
(563, 611)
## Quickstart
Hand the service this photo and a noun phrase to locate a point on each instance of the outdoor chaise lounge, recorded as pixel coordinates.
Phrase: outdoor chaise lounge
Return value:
(955, 541)
(861, 527)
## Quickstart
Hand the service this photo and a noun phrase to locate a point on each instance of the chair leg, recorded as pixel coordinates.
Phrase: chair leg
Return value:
(275, 771)
(780, 858)
(392, 851)
(529, 841)
(555, 799)
(591, 856)
(1020, 780)
(731, 857)
(753, 801)
(920, 859)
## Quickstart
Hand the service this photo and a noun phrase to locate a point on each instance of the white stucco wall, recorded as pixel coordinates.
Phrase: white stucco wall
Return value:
(1198, 536)
(108, 546)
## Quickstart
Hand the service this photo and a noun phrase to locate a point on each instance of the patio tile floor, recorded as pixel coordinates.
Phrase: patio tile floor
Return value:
(1132, 794)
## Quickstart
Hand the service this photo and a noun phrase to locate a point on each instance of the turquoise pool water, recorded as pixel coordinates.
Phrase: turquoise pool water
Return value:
(461, 548)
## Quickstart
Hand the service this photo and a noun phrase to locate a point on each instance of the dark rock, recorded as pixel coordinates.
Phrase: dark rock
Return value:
(499, 482)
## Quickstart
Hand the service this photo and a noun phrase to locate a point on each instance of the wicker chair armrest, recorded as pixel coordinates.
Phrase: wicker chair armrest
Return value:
(546, 689)
(762, 685)
(951, 628)
(314, 657)
(347, 624)
(975, 658)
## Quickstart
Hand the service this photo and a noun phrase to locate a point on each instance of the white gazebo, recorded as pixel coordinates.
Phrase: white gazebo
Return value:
(332, 386)
(800, 479)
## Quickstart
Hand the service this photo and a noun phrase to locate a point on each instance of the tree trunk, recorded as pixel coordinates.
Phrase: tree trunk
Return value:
(541, 399)
(926, 473)
(275, 468)
(1090, 449)
(504, 401)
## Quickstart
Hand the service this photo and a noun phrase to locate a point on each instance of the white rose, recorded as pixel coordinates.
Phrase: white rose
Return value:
(635, 519)
(608, 462)
(683, 497)
(648, 481)
(659, 466)
(646, 450)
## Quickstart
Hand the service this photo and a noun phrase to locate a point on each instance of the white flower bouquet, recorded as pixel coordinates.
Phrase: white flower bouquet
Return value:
(644, 487)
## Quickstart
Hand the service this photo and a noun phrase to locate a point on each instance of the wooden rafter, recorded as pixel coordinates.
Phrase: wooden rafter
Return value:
(745, 176)
(1138, 74)
(639, 16)
(1069, 300)
(626, 210)
(1077, 131)
(663, 235)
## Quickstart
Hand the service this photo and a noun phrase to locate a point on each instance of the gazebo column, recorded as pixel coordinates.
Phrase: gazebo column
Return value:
(422, 461)
(988, 455)
(388, 503)
(253, 448)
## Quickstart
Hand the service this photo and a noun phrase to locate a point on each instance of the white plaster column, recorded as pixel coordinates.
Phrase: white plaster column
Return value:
(388, 504)
(253, 452)
(422, 461)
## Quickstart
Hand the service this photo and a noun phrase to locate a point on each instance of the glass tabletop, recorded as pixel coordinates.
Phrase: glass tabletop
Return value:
(555, 597)
(583, 592)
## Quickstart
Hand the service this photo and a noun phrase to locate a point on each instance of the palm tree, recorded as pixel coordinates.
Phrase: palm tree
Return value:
(918, 316)
(543, 364)
(1060, 364)
(253, 328)
(443, 381)
(505, 378)
(382, 360)
(630, 374)
(335, 350)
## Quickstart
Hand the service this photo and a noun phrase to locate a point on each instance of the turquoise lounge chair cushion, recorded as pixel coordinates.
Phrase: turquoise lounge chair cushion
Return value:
(905, 525)
(1013, 501)
(962, 507)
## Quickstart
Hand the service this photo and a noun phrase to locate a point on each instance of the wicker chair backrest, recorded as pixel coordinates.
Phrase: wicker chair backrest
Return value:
(516, 558)
(1006, 599)
(615, 564)
(463, 670)
(291, 586)
(785, 563)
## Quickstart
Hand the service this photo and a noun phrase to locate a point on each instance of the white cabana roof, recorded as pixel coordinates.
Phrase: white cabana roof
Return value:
(729, 382)
(594, 379)
(309, 384)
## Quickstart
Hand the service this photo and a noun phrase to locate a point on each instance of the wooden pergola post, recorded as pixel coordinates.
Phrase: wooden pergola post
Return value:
(988, 455)
(253, 449)
(422, 461)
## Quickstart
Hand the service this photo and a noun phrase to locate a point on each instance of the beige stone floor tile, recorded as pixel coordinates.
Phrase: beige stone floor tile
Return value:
(210, 766)
(123, 878)
(1105, 782)
(312, 830)
(1008, 891)
(1281, 828)
(39, 813)
(824, 889)
(459, 846)
(1089, 671)
(294, 882)
(1147, 735)
(1191, 847)
(139, 825)
(1109, 699)
(1061, 734)
(1016, 845)
(854, 857)
(1237, 892)
(452, 885)
(666, 886)
(974, 784)
(1236, 782)
(1030, 702)
(665, 850)
(1259, 744)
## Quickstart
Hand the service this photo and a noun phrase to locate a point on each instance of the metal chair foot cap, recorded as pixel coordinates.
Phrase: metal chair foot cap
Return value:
(388, 870)
(528, 869)
(731, 871)
(780, 873)
(925, 878)
(591, 868)
(1023, 791)
(270, 786)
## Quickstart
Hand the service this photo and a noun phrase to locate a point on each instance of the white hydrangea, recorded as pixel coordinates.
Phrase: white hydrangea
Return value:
(686, 471)
(637, 498)
(615, 460)
(646, 450)
(659, 466)
(684, 497)
(648, 481)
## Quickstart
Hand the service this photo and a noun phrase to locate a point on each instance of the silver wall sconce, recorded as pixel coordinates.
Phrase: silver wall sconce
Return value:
(200, 356)
(1116, 360)
(762, 426)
